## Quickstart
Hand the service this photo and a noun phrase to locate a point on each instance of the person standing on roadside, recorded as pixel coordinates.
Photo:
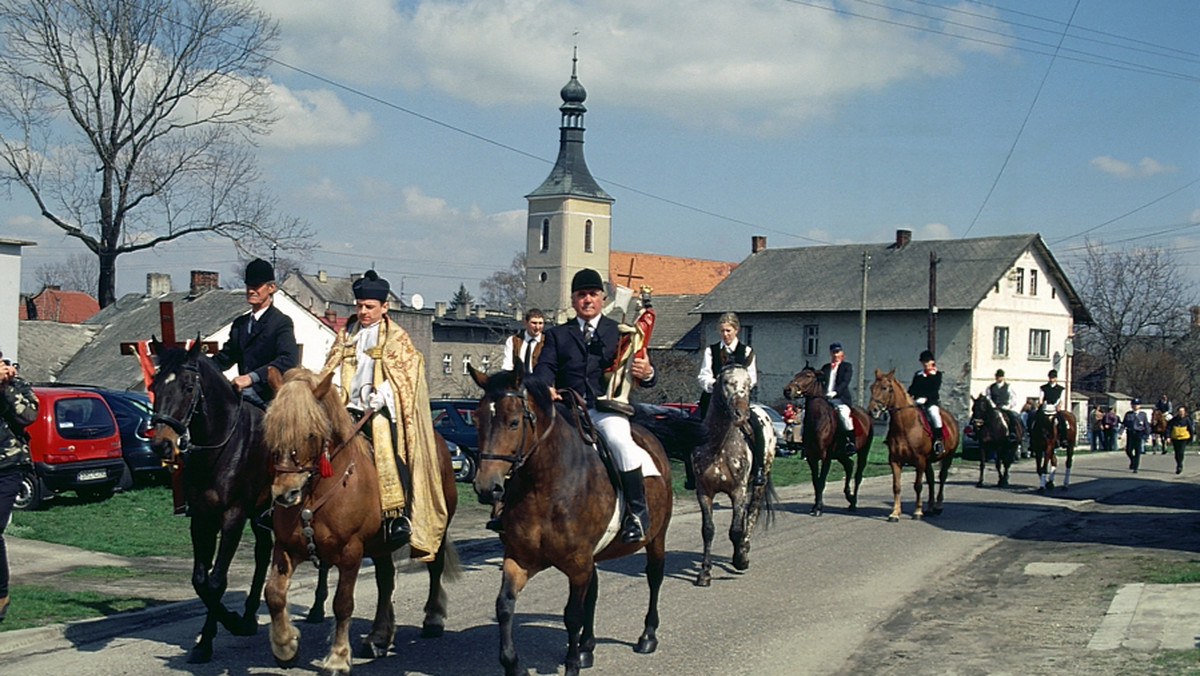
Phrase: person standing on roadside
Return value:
(18, 408)
(1108, 429)
(1181, 431)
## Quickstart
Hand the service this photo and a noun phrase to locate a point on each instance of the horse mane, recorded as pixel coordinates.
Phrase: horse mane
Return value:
(295, 413)
(503, 381)
(172, 360)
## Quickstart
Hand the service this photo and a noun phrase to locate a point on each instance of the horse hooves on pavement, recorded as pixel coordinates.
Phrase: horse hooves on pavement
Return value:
(703, 580)
(979, 484)
(586, 659)
(370, 649)
(1049, 485)
(815, 511)
(892, 518)
(200, 655)
(429, 630)
(316, 616)
(917, 516)
(247, 627)
(646, 645)
(288, 664)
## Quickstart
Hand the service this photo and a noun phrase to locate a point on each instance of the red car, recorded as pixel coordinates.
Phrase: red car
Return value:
(75, 445)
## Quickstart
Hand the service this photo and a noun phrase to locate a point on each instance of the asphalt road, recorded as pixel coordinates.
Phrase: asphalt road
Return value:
(818, 591)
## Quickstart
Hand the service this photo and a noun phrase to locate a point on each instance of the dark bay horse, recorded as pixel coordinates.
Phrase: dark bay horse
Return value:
(1158, 430)
(723, 465)
(560, 508)
(820, 427)
(335, 520)
(908, 441)
(989, 430)
(1044, 443)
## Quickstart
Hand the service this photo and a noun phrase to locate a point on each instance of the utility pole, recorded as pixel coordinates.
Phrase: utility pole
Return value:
(933, 308)
(862, 326)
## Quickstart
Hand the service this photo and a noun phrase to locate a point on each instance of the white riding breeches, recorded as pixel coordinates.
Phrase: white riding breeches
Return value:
(615, 428)
(935, 415)
(843, 412)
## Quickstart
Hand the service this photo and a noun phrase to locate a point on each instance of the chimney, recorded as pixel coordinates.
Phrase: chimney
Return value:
(461, 310)
(1195, 315)
(204, 280)
(331, 317)
(158, 284)
(439, 309)
(322, 276)
(355, 276)
(903, 237)
(758, 243)
(517, 314)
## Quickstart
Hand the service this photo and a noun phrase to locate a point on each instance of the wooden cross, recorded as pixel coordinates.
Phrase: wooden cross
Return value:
(166, 319)
(629, 276)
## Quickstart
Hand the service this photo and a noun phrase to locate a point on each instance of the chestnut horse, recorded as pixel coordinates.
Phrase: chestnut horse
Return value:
(202, 423)
(1044, 444)
(560, 507)
(1158, 430)
(723, 464)
(820, 428)
(908, 441)
(988, 428)
(334, 519)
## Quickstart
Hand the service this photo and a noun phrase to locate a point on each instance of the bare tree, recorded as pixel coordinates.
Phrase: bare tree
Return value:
(130, 122)
(80, 272)
(676, 378)
(1132, 294)
(505, 289)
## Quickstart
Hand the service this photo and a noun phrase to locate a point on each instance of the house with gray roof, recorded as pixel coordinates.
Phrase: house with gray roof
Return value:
(993, 302)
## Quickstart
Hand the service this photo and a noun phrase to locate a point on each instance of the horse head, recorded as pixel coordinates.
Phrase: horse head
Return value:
(731, 394)
(806, 382)
(186, 387)
(886, 393)
(981, 407)
(304, 421)
(508, 418)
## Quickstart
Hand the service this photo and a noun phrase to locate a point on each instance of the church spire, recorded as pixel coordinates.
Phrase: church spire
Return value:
(570, 175)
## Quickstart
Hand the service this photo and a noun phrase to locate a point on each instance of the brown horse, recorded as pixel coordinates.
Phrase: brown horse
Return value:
(723, 463)
(1044, 443)
(335, 520)
(820, 428)
(560, 508)
(1158, 430)
(908, 443)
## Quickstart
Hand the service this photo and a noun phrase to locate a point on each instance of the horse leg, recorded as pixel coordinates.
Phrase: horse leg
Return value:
(316, 614)
(848, 471)
(383, 629)
(860, 466)
(513, 580)
(918, 512)
(338, 659)
(1067, 470)
(285, 638)
(1051, 466)
(1040, 460)
(707, 530)
(943, 470)
(656, 559)
(262, 559)
(587, 638)
(434, 624)
(204, 545)
(983, 464)
(573, 615)
(818, 482)
(895, 515)
(739, 531)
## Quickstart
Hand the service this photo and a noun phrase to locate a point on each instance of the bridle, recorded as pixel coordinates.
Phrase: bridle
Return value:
(886, 407)
(528, 423)
(182, 427)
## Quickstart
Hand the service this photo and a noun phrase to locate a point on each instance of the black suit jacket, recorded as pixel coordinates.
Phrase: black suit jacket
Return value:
(566, 362)
(271, 343)
(842, 386)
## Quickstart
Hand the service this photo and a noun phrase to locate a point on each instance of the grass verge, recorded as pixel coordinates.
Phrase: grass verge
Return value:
(35, 606)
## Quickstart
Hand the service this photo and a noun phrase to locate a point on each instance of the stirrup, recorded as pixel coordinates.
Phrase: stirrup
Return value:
(633, 530)
(397, 531)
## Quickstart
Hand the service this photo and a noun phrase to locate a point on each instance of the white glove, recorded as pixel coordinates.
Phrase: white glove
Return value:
(921, 400)
(375, 400)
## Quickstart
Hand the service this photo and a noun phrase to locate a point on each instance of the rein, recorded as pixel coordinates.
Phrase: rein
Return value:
(183, 427)
(528, 421)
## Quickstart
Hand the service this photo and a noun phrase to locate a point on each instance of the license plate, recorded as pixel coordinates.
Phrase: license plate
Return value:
(93, 475)
(456, 464)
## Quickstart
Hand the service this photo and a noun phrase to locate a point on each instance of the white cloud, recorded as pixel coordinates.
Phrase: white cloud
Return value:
(933, 231)
(1148, 166)
(741, 66)
(314, 118)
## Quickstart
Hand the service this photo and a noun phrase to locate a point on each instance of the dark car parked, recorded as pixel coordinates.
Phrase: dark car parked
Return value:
(454, 419)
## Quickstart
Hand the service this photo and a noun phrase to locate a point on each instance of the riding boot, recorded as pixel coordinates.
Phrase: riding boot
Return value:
(758, 452)
(396, 531)
(637, 515)
(939, 449)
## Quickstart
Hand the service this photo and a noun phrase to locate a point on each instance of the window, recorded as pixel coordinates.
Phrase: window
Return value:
(1033, 282)
(1000, 341)
(447, 363)
(587, 236)
(747, 334)
(1020, 280)
(812, 340)
(483, 363)
(545, 245)
(466, 364)
(1039, 343)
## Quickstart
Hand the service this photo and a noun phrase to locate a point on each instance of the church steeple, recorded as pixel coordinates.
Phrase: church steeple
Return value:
(570, 175)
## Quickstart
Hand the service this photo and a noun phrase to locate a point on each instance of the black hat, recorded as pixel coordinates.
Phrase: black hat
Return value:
(926, 356)
(1136, 401)
(371, 287)
(586, 278)
(999, 373)
(1053, 373)
(835, 347)
(259, 272)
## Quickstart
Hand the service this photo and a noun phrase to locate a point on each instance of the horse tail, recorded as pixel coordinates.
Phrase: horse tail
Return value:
(762, 503)
(453, 565)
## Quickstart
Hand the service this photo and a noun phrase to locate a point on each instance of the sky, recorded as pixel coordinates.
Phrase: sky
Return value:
(408, 133)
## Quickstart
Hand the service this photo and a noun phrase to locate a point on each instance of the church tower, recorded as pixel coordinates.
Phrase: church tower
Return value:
(570, 216)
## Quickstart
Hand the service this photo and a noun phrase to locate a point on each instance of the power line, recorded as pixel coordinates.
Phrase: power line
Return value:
(1127, 213)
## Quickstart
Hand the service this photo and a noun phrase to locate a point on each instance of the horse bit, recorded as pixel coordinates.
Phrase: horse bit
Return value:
(183, 443)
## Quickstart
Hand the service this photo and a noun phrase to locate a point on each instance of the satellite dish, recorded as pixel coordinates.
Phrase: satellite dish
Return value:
(418, 301)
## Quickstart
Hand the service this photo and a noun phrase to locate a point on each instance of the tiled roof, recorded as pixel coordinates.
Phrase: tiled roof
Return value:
(56, 305)
(329, 293)
(47, 346)
(829, 278)
(666, 275)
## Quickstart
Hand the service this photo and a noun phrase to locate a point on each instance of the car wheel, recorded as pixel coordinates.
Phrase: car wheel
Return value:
(31, 494)
(126, 481)
(98, 494)
(467, 473)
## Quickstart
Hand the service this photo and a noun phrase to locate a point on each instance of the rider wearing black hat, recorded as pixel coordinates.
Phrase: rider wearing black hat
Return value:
(925, 388)
(1052, 405)
(260, 338)
(836, 377)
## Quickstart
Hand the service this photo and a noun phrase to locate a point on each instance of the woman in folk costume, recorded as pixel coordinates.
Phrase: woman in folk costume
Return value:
(378, 368)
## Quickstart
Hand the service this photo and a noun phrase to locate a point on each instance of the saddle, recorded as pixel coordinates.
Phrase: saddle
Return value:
(590, 435)
(923, 414)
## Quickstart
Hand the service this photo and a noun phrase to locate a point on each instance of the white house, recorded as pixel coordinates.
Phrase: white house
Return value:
(10, 294)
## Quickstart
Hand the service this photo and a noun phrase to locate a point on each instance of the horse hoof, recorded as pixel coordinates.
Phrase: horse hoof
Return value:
(979, 484)
(892, 518)
(815, 511)
(586, 659)
(703, 580)
(316, 616)
(430, 630)
(369, 649)
(200, 655)
(853, 507)
(646, 645)
(1041, 489)
(1049, 485)
(289, 663)
(917, 516)
(247, 627)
